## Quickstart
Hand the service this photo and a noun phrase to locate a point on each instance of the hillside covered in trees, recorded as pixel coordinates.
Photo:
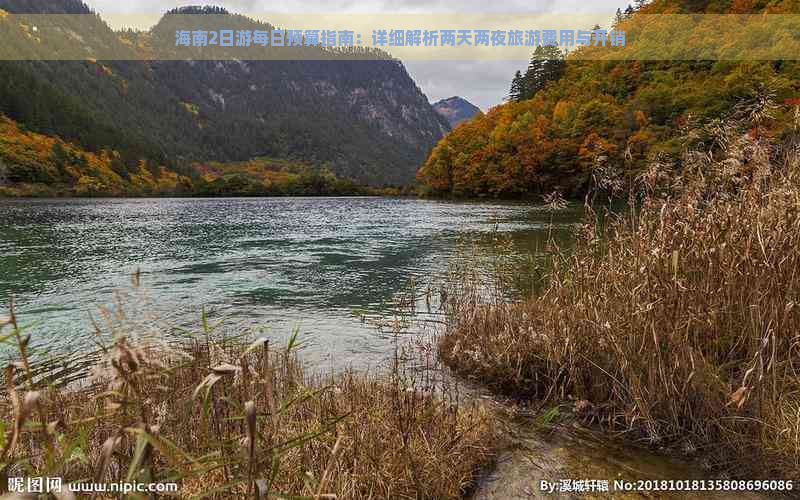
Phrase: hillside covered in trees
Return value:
(571, 122)
(34, 164)
(355, 112)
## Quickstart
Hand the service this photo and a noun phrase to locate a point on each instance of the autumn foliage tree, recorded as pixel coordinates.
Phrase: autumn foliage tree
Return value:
(577, 118)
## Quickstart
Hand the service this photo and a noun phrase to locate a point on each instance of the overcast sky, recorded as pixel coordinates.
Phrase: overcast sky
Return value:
(484, 83)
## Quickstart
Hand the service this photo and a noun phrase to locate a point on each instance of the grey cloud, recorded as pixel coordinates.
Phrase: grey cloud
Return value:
(483, 83)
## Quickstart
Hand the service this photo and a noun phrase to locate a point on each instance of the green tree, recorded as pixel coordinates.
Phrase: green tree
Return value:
(629, 11)
(618, 17)
(62, 159)
(118, 166)
(515, 93)
(547, 64)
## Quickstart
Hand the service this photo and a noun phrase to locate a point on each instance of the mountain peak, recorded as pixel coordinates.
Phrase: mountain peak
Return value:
(198, 9)
(45, 7)
(456, 109)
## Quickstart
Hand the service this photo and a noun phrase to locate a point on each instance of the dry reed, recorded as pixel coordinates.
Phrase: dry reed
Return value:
(229, 420)
(679, 321)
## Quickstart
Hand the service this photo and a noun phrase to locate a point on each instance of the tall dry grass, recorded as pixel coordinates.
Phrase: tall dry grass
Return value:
(678, 321)
(226, 419)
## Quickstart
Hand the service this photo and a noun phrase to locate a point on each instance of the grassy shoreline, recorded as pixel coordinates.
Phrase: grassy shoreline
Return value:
(676, 323)
(226, 419)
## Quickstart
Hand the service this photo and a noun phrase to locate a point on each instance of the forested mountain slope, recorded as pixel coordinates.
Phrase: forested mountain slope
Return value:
(366, 119)
(608, 118)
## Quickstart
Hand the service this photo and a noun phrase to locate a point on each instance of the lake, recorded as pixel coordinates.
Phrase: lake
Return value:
(317, 264)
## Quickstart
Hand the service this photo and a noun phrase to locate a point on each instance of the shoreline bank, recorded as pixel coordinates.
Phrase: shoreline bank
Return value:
(674, 322)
